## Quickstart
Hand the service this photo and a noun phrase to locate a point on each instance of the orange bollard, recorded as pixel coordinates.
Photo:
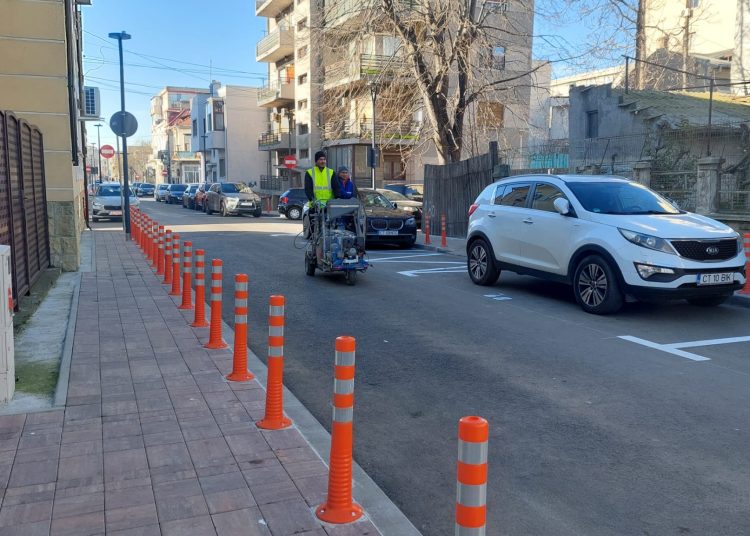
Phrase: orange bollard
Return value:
(471, 495)
(175, 291)
(239, 361)
(135, 224)
(143, 232)
(746, 244)
(215, 342)
(146, 237)
(339, 506)
(160, 252)
(274, 418)
(167, 257)
(154, 243)
(199, 320)
(426, 228)
(187, 272)
(443, 237)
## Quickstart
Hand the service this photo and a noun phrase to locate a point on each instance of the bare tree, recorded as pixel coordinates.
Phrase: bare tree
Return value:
(438, 60)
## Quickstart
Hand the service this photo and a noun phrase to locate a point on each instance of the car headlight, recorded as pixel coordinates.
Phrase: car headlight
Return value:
(647, 270)
(232, 200)
(648, 241)
(411, 221)
(97, 205)
(410, 209)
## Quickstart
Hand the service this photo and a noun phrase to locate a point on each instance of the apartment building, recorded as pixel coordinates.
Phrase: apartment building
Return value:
(41, 82)
(226, 125)
(320, 95)
(173, 157)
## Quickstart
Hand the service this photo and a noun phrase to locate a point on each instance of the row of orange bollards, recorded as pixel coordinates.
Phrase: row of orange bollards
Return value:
(166, 254)
(443, 230)
(746, 245)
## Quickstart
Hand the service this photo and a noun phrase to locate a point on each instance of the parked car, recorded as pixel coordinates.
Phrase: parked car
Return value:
(233, 198)
(606, 236)
(386, 223)
(409, 206)
(188, 198)
(414, 192)
(160, 192)
(199, 202)
(174, 193)
(144, 189)
(292, 202)
(107, 202)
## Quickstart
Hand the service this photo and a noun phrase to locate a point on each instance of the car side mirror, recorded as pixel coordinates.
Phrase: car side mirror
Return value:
(562, 206)
(395, 205)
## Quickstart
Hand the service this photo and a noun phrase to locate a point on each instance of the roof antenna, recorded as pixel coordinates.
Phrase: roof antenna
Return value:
(211, 76)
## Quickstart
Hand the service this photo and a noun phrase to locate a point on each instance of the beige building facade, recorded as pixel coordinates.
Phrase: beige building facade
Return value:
(41, 82)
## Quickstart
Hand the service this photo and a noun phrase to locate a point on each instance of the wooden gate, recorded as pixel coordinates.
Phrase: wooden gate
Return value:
(23, 201)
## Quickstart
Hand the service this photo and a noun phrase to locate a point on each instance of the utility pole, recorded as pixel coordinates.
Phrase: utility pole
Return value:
(686, 43)
(373, 163)
(121, 36)
(640, 44)
(98, 149)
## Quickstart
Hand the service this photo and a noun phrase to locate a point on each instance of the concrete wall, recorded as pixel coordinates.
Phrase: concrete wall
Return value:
(245, 121)
(34, 85)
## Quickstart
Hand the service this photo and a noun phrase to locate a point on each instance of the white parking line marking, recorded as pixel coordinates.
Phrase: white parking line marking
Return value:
(709, 342)
(664, 348)
(425, 271)
(285, 234)
(498, 297)
(388, 259)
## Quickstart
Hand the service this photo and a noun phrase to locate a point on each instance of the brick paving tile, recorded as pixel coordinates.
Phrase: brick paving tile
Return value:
(20, 514)
(195, 526)
(363, 527)
(29, 494)
(91, 524)
(78, 505)
(40, 528)
(289, 517)
(131, 517)
(150, 530)
(246, 522)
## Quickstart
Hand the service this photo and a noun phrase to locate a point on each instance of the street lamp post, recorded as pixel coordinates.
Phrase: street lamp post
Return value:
(98, 150)
(374, 94)
(121, 36)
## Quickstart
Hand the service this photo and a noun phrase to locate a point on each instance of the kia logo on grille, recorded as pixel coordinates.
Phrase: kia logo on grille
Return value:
(712, 250)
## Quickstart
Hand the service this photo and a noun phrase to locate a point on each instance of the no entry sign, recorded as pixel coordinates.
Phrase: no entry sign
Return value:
(107, 151)
(290, 161)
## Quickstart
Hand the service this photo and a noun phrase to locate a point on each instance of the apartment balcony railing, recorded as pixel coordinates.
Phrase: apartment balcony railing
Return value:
(275, 140)
(276, 45)
(273, 183)
(276, 94)
(386, 132)
(271, 8)
(184, 155)
(365, 67)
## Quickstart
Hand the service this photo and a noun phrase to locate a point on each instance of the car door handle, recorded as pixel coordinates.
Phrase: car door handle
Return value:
(528, 220)
(491, 215)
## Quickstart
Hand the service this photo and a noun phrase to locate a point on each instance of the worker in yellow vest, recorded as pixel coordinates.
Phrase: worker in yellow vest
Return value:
(318, 181)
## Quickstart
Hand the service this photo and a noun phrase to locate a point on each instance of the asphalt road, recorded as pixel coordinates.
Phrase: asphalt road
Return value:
(591, 434)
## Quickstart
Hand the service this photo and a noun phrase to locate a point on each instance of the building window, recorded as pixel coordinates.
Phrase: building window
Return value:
(304, 153)
(694, 3)
(210, 121)
(498, 57)
(303, 128)
(302, 104)
(187, 143)
(302, 52)
(301, 25)
(222, 168)
(195, 127)
(490, 115)
(592, 124)
(302, 79)
(218, 107)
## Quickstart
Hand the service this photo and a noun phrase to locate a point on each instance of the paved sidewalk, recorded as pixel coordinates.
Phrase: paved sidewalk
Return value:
(153, 440)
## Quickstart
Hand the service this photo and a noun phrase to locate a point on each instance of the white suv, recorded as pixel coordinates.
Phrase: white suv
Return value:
(607, 236)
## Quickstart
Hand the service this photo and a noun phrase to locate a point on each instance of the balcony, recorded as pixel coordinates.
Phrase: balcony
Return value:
(271, 8)
(387, 133)
(276, 45)
(215, 140)
(184, 155)
(366, 66)
(276, 94)
(278, 139)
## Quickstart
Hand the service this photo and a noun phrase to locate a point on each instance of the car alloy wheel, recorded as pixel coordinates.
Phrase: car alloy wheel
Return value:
(481, 264)
(294, 213)
(596, 286)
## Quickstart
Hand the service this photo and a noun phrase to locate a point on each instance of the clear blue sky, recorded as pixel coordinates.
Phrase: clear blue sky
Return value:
(175, 43)
(222, 33)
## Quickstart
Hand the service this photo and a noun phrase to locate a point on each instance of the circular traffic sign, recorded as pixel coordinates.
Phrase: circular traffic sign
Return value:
(107, 151)
(123, 124)
(290, 161)
(163, 172)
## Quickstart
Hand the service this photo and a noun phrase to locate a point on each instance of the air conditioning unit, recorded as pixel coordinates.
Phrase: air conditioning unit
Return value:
(7, 359)
(91, 109)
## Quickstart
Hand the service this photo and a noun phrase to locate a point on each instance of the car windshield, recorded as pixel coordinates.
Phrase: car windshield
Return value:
(193, 188)
(163, 186)
(178, 187)
(394, 196)
(235, 187)
(109, 191)
(620, 198)
(375, 199)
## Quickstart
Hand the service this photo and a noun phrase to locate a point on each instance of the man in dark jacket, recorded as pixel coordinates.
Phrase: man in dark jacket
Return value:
(343, 186)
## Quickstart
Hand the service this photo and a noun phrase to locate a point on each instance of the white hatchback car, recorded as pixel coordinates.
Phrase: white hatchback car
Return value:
(606, 236)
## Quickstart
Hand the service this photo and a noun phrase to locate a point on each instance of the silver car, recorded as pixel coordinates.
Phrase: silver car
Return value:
(108, 201)
(232, 198)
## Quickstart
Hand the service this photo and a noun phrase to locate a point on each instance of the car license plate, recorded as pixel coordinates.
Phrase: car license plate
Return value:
(115, 212)
(724, 278)
(388, 233)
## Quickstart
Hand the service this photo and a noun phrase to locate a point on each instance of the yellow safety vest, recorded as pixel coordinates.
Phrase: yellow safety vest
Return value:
(321, 183)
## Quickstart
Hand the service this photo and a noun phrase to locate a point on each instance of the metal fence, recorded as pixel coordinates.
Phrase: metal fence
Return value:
(678, 186)
(23, 201)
